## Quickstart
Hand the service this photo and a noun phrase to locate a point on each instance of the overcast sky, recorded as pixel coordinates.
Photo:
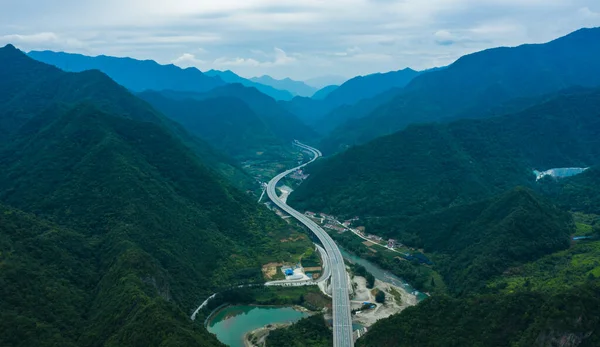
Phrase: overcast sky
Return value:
(299, 39)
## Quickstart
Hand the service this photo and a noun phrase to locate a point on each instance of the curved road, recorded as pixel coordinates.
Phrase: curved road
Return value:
(342, 320)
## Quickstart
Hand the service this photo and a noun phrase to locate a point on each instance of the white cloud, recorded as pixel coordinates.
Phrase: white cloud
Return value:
(312, 37)
(279, 57)
(444, 37)
(227, 62)
(41, 40)
(188, 60)
(587, 13)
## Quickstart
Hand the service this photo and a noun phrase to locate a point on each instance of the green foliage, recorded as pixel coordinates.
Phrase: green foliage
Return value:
(140, 232)
(430, 167)
(380, 297)
(554, 272)
(578, 193)
(311, 258)
(360, 270)
(519, 319)
(418, 276)
(225, 122)
(307, 332)
(476, 242)
(30, 88)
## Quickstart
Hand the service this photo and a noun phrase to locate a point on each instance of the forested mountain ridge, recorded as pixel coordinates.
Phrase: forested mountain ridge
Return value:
(110, 191)
(295, 87)
(315, 110)
(30, 86)
(285, 124)
(226, 123)
(434, 166)
(232, 78)
(364, 87)
(479, 81)
(473, 243)
(136, 75)
(567, 318)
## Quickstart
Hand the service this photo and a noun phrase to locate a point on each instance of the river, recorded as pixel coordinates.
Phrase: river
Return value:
(382, 275)
(232, 323)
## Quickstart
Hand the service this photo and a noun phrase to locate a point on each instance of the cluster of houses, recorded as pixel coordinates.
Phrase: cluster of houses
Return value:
(299, 175)
(335, 227)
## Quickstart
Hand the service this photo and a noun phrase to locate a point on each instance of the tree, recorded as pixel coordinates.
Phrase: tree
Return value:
(380, 297)
(370, 280)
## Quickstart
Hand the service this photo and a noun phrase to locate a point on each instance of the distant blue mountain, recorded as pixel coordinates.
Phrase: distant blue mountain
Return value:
(297, 88)
(314, 110)
(479, 82)
(364, 87)
(324, 81)
(323, 92)
(230, 77)
(136, 75)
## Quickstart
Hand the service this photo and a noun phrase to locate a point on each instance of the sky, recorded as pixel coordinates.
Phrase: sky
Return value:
(283, 38)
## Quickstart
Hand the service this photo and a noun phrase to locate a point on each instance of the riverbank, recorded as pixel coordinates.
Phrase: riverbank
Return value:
(396, 299)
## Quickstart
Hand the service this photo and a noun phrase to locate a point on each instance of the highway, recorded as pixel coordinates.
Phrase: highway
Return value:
(342, 320)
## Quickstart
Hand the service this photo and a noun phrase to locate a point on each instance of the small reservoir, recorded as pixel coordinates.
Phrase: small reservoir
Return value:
(232, 323)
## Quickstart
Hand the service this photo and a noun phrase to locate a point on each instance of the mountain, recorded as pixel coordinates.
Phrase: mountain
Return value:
(580, 193)
(324, 81)
(34, 86)
(323, 92)
(226, 123)
(285, 124)
(479, 81)
(429, 167)
(135, 75)
(230, 77)
(471, 244)
(294, 87)
(567, 318)
(362, 108)
(313, 111)
(112, 230)
(364, 87)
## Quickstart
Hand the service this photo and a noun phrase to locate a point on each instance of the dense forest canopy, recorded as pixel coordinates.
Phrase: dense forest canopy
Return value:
(124, 229)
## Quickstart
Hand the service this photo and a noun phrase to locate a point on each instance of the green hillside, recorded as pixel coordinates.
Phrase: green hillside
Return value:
(429, 167)
(275, 117)
(579, 193)
(29, 86)
(473, 243)
(139, 230)
(308, 332)
(227, 123)
(568, 318)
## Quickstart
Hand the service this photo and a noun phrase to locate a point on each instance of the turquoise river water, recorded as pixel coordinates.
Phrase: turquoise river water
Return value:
(232, 323)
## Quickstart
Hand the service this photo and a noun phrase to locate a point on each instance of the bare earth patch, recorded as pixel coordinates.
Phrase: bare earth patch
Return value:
(396, 300)
(269, 270)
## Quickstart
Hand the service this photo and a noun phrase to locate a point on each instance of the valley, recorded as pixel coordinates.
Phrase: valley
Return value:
(386, 175)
